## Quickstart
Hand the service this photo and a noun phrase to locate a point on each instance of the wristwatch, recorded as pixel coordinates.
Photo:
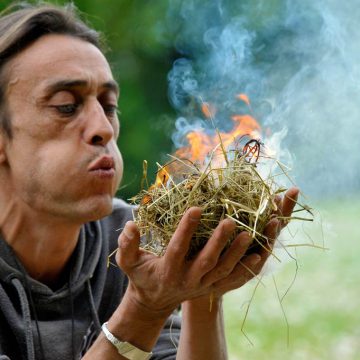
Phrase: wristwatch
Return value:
(124, 348)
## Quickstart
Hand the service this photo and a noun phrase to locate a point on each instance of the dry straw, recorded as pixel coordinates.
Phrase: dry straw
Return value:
(235, 190)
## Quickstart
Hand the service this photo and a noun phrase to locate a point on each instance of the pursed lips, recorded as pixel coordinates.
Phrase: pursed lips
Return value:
(103, 167)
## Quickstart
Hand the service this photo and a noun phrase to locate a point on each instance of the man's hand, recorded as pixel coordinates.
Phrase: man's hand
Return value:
(250, 266)
(159, 284)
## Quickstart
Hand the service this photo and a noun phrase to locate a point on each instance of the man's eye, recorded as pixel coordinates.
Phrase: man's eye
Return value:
(67, 109)
(110, 110)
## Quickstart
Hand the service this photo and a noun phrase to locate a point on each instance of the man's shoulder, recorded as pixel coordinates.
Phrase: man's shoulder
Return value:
(121, 213)
(122, 208)
(121, 205)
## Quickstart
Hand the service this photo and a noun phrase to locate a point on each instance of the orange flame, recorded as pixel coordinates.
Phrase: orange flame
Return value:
(208, 110)
(162, 177)
(244, 98)
(200, 144)
(244, 125)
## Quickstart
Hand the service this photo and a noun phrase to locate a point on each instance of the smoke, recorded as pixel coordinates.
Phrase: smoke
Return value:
(299, 63)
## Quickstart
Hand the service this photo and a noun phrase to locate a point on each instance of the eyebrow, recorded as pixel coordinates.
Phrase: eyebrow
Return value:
(60, 85)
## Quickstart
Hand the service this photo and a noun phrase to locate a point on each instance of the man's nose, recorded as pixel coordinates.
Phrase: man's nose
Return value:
(98, 129)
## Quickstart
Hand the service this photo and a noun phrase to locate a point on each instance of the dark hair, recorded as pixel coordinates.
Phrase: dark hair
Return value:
(22, 24)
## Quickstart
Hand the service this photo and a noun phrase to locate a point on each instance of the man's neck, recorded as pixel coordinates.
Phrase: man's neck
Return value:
(41, 242)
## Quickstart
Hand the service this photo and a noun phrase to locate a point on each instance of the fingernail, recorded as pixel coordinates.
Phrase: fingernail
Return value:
(228, 226)
(256, 259)
(194, 218)
(128, 232)
(195, 215)
(246, 240)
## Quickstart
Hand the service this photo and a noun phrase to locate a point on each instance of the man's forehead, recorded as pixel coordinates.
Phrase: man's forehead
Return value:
(62, 58)
(58, 84)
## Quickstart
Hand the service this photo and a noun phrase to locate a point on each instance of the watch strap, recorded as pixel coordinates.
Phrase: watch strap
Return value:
(124, 348)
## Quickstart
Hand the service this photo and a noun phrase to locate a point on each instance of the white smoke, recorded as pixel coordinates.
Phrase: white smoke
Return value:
(299, 63)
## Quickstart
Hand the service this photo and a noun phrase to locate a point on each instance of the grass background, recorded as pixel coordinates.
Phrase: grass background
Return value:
(322, 306)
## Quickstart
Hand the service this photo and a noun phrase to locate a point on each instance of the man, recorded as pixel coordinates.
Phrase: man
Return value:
(59, 170)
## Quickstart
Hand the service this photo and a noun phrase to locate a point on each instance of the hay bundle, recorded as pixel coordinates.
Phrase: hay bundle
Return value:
(235, 190)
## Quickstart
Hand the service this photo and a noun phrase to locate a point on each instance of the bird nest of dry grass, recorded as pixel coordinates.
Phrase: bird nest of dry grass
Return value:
(234, 190)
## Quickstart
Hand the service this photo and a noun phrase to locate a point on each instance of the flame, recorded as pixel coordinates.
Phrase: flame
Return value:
(244, 125)
(244, 98)
(162, 177)
(146, 198)
(208, 110)
(200, 144)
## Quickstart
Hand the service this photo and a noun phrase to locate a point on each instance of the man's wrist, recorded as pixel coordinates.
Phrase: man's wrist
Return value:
(136, 324)
(124, 348)
(204, 307)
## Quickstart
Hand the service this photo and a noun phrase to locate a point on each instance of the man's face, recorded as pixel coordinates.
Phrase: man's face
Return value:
(63, 159)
